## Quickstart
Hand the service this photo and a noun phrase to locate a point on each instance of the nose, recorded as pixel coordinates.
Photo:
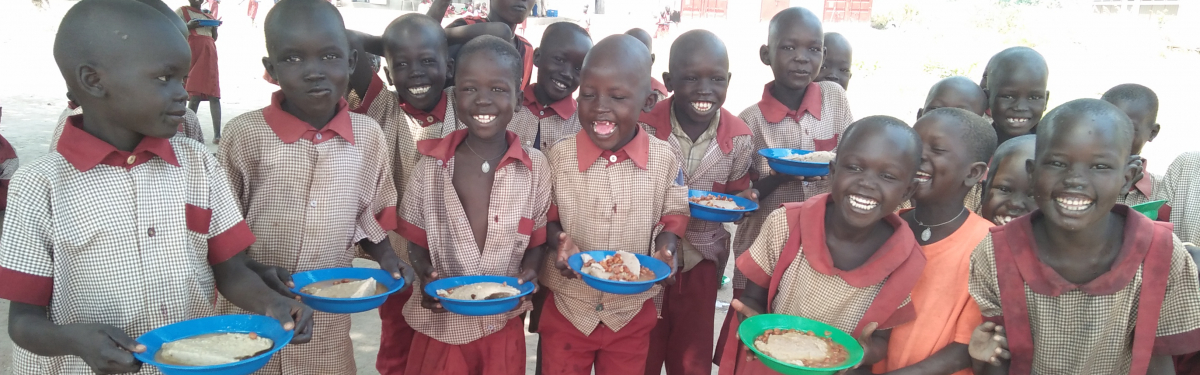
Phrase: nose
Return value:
(179, 93)
(1074, 178)
(312, 73)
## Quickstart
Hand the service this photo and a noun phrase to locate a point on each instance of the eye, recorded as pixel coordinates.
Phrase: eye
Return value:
(1036, 97)
(468, 89)
(498, 89)
(847, 70)
(1102, 166)
(1006, 97)
(559, 60)
(164, 78)
(937, 150)
(888, 176)
(1056, 164)
(823, 68)
(787, 48)
(718, 79)
(586, 96)
(292, 59)
(854, 168)
(427, 61)
(330, 56)
(1003, 189)
(616, 97)
(814, 49)
(690, 79)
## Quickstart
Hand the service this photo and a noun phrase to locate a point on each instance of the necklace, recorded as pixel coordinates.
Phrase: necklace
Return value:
(487, 167)
(927, 233)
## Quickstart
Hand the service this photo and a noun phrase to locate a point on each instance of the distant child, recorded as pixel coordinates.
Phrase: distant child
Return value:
(645, 38)
(1083, 285)
(312, 178)
(1007, 192)
(849, 261)
(497, 226)
(365, 84)
(1181, 187)
(839, 57)
(717, 149)
(546, 113)
(957, 145)
(955, 92)
(1016, 89)
(203, 82)
(506, 14)
(1141, 105)
(794, 112)
(87, 263)
(615, 187)
(8, 167)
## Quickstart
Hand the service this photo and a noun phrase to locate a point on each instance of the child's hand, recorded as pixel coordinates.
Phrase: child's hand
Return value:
(566, 248)
(428, 275)
(989, 344)
(665, 251)
(752, 195)
(799, 178)
(744, 312)
(431, 303)
(277, 278)
(193, 24)
(106, 349)
(864, 341)
(527, 276)
(292, 315)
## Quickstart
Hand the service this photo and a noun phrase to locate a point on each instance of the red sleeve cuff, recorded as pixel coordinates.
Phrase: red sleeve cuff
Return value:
(229, 243)
(674, 223)
(738, 185)
(753, 272)
(22, 287)
(413, 233)
(902, 315)
(537, 238)
(387, 218)
(1164, 213)
(1178, 344)
(552, 214)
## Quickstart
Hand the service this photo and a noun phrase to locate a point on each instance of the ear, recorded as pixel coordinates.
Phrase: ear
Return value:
(387, 73)
(1154, 129)
(1047, 99)
(651, 100)
(920, 113)
(764, 55)
(977, 173)
(911, 189)
(450, 68)
(90, 81)
(666, 76)
(651, 59)
(537, 56)
(353, 59)
(1029, 168)
(266, 61)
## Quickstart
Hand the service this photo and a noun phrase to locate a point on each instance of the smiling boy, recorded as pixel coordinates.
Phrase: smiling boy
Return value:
(1016, 89)
(839, 57)
(546, 113)
(1007, 193)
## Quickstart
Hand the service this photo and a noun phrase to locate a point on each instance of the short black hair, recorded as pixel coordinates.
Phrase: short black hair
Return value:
(282, 13)
(643, 36)
(792, 15)
(89, 28)
(1002, 152)
(695, 41)
(880, 123)
(502, 50)
(1132, 92)
(400, 26)
(563, 27)
(980, 136)
(1094, 108)
(1011, 57)
(960, 83)
(832, 38)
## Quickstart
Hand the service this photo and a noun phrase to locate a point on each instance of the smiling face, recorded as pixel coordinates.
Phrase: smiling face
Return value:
(699, 79)
(311, 63)
(417, 64)
(512, 12)
(1009, 193)
(559, 60)
(794, 51)
(486, 93)
(1080, 170)
(1018, 98)
(945, 161)
(872, 175)
(614, 90)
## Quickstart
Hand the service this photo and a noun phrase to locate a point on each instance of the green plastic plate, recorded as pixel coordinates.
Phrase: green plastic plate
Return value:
(756, 325)
(1150, 209)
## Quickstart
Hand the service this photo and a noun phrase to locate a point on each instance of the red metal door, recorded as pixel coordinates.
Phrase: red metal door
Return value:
(704, 8)
(847, 10)
(771, 7)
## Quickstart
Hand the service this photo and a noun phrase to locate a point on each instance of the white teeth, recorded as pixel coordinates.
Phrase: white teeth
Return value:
(560, 85)
(1017, 120)
(702, 106)
(419, 90)
(1074, 204)
(863, 203)
(1002, 220)
(924, 177)
(483, 119)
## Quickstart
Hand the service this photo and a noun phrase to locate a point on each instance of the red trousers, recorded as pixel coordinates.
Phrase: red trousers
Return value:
(683, 339)
(568, 351)
(500, 353)
(724, 336)
(396, 337)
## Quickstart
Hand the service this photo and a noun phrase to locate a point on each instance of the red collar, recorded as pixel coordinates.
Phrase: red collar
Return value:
(290, 129)
(894, 252)
(1146, 184)
(774, 111)
(564, 108)
(6, 150)
(637, 150)
(372, 92)
(1043, 279)
(442, 149)
(84, 151)
(427, 118)
(728, 127)
(658, 86)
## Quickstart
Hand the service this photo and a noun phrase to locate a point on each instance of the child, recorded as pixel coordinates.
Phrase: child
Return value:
(839, 57)
(849, 260)
(8, 167)
(547, 110)
(463, 239)
(365, 83)
(203, 83)
(716, 150)
(1141, 105)
(86, 263)
(1006, 192)
(955, 92)
(507, 14)
(1016, 89)
(794, 112)
(1181, 187)
(614, 188)
(312, 178)
(1083, 286)
(659, 89)
(957, 146)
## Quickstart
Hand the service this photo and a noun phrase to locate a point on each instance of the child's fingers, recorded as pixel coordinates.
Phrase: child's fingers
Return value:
(987, 326)
(124, 341)
(1001, 341)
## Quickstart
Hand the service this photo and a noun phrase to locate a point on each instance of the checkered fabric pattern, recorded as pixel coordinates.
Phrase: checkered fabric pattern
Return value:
(526, 123)
(190, 128)
(309, 204)
(835, 118)
(116, 243)
(523, 46)
(1078, 333)
(1181, 187)
(519, 200)
(610, 207)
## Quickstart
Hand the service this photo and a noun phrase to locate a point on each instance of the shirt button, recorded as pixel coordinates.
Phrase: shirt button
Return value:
(312, 204)
(429, 119)
(541, 113)
(318, 136)
(131, 159)
(150, 232)
(612, 159)
(600, 307)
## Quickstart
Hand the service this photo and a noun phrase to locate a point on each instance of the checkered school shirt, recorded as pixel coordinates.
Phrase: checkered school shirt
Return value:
(823, 116)
(190, 128)
(1142, 190)
(523, 46)
(554, 122)
(433, 217)
(1090, 332)
(8, 167)
(611, 201)
(126, 239)
(1181, 187)
(310, 196)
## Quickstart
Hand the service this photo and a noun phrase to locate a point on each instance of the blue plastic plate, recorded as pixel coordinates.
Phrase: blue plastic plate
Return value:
(345, 305)
(661, 271)
(775, 159)
(207, 23)
(720, 215)
(478, 308)
(263, 326)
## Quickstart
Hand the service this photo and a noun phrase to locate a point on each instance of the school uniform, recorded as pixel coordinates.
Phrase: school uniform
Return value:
(203, 80)
(792, 248)
(433, 217)
(607, 200)
(1181, 187)
(1142, 190)
(1147, 304)
(360, 104)
(87, 222)
(190, 128)
(719, 161)
(310, 196)
(541, 126)
(524, 48)
(8, 167)
(403, 127)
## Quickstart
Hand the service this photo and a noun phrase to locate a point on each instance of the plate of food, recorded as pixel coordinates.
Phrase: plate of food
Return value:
(795, 162)
(478, 295)
(793, 345)
(216, 345)
(618, 272)
(722, 208)
(345, 290)
(1150, 209)
(208, 23)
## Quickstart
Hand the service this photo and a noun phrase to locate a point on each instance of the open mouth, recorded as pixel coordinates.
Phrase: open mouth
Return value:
(419, 90)
(559, 84)
(702, 106)
(1018, 122)
(604, 129)
(1002, 219)
(1073, 204)
(923, 177)
(862, 203)
(484, 119)
(800, 73)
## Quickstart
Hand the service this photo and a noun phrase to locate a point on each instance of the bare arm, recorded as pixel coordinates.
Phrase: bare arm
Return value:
(437, 10)
(245, 289)
(106, 349)
(463, 34)
(951, 359)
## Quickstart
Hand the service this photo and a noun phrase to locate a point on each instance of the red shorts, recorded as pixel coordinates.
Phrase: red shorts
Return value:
(683, 338)
(568, 351)
(395, 335)
(500, 353)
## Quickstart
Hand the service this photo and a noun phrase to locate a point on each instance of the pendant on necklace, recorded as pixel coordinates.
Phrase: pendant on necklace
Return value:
(926, 234)
(487, 167)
